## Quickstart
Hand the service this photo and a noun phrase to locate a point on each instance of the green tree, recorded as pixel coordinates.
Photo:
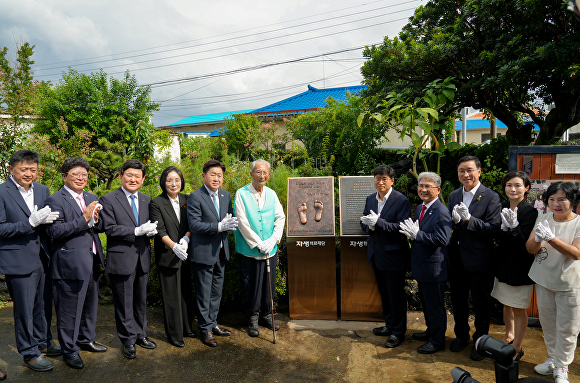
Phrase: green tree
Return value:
(17, 92)
(509, 57)
(95, 102)
(333, 134)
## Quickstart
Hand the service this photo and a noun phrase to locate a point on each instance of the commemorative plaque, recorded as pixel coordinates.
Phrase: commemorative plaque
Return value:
(353, 192)
(310, 210)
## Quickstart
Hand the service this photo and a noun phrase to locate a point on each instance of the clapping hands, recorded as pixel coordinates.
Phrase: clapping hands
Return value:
(409, 228)
(370, 220)
(509, 219)
(543, 232)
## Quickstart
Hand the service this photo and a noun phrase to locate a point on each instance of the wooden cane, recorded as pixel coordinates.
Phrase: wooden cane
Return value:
(271, 299)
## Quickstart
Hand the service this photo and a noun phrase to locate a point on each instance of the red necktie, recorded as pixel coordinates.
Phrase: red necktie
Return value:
(422, 213)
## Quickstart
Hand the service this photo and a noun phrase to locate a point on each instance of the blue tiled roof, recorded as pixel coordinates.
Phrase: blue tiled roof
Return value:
(311, 99)
(206, 118)
(484, 124)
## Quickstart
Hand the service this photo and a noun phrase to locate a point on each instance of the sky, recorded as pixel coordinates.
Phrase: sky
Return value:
(205, 57)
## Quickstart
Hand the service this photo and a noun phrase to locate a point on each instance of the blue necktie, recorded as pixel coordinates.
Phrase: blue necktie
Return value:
(215, 203)
(134, 207)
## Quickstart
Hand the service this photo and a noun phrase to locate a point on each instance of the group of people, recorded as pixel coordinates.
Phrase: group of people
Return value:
(455, 244)
(50, 251)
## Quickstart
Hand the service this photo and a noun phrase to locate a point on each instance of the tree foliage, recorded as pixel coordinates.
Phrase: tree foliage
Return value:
(510, 57)
(423, 119)
(332, 134)
(17, 92)
(95, 102)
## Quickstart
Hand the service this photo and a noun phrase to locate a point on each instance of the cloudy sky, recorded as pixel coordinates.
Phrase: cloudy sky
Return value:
(205, 57)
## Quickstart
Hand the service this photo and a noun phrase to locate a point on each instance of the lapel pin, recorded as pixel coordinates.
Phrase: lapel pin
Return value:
(478, 197)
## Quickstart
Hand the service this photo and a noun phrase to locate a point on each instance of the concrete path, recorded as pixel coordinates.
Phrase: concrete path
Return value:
(306, 351)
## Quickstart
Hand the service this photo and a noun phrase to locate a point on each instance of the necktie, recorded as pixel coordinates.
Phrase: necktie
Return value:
(422, 213)
(134, 207)
(83, 206)
(215, 203)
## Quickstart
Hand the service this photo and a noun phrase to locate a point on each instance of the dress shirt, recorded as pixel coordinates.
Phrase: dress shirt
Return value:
(244, 225)
(175, 205)
(217, 197)
(468, 195)
(74, 194)
(383, 201)
(128, 195)
(27, 195)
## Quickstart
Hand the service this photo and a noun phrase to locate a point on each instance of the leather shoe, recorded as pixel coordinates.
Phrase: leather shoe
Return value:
(74, 361)
(177, 343)
(52, 350)
(217, 330)
(429, 348)
(475, 355)
(266, 321)
(190, 335)
(458, 344)
(253, 328)
(394, 341)
(208, 339)
(129, 352)
(382, 331)
(146, 343)
(39, 364)
(2, 375)
(422, 336)
(93, 347)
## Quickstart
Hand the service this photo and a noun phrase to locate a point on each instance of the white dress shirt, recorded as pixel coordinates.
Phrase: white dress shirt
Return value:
(468, 195)
(175, 205)
(27, 195)
(128, 195)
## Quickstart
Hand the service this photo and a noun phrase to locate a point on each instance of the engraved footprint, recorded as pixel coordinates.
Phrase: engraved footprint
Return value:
(302, 209)
(318, 207)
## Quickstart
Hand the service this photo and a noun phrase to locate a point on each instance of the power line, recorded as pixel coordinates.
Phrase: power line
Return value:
(67, 63)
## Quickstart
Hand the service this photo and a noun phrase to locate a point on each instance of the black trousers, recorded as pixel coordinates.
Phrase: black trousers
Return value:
(256, 293)
(176, 286)
(32, 304)
(76, 303)
(391, 285)
(480, 285)
(130, 300)
(432, 297)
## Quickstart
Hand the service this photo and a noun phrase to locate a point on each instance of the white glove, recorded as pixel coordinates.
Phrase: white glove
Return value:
(370, 220)
(37, 217)
(92, 221)
(180, 251)
(52, 216)
(262, 247)
(145, 228)
(184, 242)
(509, 218)
(228, 223)
(463, 212)
(270, 243)
(409, 228)
(455, 215)
(544, 232)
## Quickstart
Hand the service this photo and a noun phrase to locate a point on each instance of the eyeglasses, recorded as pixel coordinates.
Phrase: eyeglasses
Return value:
(170, 182)
(80, 176)
(426, 187)
(382, 179)
(261, 173)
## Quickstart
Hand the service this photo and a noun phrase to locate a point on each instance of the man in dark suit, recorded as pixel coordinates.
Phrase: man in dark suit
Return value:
(475, 212)
(209, 213)
(125, 216)
(430, 233)
(75, 261)
(388, 252)
(24, 258)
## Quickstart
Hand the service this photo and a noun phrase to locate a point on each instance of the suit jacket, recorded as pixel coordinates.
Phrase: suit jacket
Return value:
(124, 249)
(72, 238)
(20, 243)
(161, 210)
(203, 219)
(472, 242)
(389, 248)
(428, 250)
(512, 259)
